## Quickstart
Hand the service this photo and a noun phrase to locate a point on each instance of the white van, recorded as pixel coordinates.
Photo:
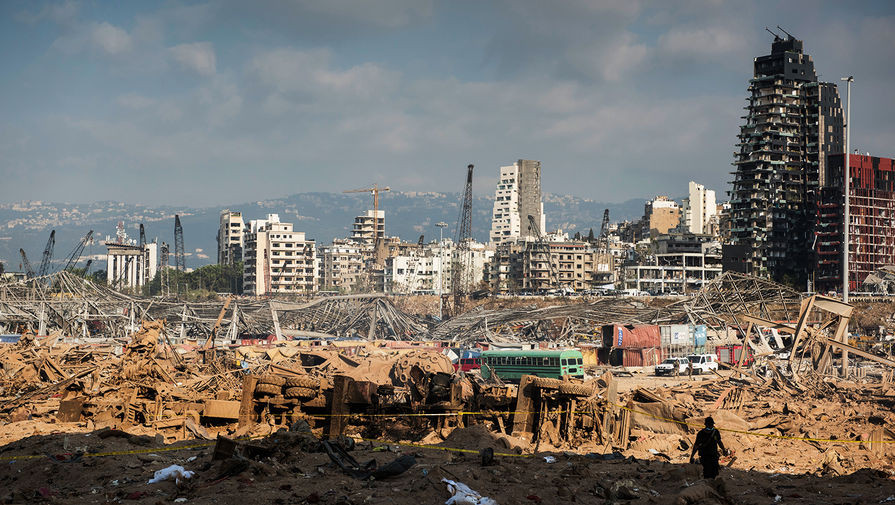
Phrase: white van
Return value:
(703, 363)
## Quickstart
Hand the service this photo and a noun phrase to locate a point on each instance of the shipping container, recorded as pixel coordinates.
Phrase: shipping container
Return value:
(699, 335)
(631, 336)
(700, 339)
(649, 356)
(590, 353)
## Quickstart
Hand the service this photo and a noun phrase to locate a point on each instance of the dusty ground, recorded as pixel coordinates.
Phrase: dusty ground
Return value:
(293, 475)
(644, 378)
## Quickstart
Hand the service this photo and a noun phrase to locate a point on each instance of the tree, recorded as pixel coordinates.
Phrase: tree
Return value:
(590, 236)
(202, 282)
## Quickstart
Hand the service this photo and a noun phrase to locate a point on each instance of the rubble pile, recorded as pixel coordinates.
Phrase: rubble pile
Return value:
(360, 420)
(827, 427)
(142, 387)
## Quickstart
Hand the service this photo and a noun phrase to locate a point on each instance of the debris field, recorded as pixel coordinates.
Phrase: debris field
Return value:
(91, 420)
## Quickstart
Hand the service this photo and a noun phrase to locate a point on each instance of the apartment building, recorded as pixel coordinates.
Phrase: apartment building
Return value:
(368, 227)
(699, 210)
(341, 265)
(871, 221)
(660, 216)
(230, 237)
(680, 263)
(278, 259)
(517, 196)
(541, 266)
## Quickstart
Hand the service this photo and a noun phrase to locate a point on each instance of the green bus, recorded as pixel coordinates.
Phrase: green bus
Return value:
(512, 365)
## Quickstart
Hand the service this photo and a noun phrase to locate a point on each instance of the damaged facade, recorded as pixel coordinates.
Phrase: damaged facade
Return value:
(792, 123)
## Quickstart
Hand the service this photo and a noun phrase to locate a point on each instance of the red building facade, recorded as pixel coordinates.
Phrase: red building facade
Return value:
(872, 227)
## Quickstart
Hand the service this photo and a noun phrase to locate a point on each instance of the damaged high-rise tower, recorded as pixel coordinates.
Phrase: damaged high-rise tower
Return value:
(792, 123)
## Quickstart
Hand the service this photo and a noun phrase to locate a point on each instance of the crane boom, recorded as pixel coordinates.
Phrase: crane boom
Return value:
(460, 271)
(217, 324)
(179, 256)
(604, 233)
(75, 255)
(47, 256)
(29, 272)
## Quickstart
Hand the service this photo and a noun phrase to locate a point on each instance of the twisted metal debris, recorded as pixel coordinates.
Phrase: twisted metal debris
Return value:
(77, 307)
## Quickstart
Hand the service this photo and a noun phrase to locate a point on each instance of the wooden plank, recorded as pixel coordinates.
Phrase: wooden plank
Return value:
(246, 406)
(721, 397)
(523, 418)
(338, 408)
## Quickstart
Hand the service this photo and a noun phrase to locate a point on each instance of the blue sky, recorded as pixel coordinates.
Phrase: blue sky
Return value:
(192, 103)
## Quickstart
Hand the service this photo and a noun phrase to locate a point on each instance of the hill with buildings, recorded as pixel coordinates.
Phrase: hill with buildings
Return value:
(323, 216)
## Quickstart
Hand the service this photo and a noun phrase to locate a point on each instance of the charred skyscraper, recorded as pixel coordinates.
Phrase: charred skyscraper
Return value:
(792, 123)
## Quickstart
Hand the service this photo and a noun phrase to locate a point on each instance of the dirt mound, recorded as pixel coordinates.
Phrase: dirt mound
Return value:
(478, 437)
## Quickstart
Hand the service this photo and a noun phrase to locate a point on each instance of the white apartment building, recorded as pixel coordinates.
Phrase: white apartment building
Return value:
(517, 196)
(230, 237)
(368, 227)
(430, 267)
(699, 210)
(278, 259)
(341, 264)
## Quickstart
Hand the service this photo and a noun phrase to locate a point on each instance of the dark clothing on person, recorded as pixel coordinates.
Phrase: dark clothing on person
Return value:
(707, 441)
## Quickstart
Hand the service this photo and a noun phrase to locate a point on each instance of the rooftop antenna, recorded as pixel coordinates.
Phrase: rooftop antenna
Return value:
(776, 37)
(784, 31)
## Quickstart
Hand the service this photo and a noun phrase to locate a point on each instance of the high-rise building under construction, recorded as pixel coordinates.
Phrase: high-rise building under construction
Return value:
(792, 123)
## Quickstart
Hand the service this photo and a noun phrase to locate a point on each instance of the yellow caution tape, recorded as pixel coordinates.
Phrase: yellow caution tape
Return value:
(451, 449)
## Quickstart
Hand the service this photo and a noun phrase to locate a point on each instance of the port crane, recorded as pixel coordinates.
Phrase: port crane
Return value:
(44, 268)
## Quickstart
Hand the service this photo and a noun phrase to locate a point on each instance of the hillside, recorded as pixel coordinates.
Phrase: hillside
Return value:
(323, 216)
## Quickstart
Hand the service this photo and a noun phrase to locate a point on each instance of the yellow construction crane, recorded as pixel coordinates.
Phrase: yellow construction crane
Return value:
(375, 190)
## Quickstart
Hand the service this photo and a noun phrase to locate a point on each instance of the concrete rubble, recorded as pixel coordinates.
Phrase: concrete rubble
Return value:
(384, 421)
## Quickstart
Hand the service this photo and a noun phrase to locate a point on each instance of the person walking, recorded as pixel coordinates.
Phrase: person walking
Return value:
(708, 440)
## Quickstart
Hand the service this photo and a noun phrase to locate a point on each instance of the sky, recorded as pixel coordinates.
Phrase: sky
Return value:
(204, 104)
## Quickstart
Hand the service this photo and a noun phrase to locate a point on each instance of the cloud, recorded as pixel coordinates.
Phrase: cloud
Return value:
(610, 62)
(61, 13)
(134, 101)
(387, 13)
(618, 99)
(310, 17)
(197, 56)
(310, 73)
(701, 41)
(110, 39)
(103, 38)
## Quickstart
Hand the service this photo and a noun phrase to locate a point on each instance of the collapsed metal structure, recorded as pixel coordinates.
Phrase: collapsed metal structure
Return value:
(76, 307)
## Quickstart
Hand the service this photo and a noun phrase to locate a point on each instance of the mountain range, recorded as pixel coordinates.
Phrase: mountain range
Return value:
(323, 216)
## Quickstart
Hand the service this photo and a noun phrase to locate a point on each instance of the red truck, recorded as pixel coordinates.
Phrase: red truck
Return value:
(731, 354)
